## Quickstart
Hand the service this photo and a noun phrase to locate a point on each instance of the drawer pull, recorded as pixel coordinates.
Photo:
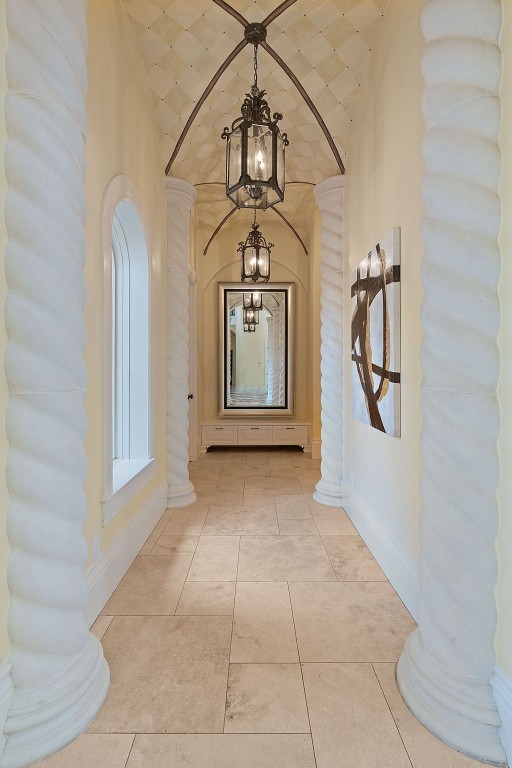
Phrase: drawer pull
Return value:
(254, 427)
(290, 427)
(219, 429)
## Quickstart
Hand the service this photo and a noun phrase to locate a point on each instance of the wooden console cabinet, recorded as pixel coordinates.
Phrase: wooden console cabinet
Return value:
(254, 434)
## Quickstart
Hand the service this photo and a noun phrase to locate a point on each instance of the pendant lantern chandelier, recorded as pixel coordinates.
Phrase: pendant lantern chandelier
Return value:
(252, 300)
(255, 169)
(255, 256)
(249, 328)
(251, 317)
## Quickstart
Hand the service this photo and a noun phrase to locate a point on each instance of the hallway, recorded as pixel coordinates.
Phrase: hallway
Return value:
(254, 629)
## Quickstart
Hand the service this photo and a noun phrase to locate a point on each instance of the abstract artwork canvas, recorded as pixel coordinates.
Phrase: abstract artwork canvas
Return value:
(375, 293)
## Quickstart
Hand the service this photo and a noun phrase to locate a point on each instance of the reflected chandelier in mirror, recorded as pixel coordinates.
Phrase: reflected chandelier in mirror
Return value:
(256, 368)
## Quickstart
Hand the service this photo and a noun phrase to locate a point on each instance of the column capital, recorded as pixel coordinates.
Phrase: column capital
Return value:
(180, 192)
(329, 190)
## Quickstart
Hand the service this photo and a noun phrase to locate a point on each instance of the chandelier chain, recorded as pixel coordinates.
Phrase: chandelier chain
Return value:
(256, 65)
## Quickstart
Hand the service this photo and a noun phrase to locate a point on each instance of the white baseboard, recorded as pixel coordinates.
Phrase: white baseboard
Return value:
(316, 448)
(396, 564)
(106, 573)
(502, 687)
(6, 691)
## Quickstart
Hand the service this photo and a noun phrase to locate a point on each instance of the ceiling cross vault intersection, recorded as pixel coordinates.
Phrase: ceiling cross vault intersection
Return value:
(200, 66)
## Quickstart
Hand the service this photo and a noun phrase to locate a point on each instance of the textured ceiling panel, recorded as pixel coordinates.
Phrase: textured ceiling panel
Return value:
(325, 44)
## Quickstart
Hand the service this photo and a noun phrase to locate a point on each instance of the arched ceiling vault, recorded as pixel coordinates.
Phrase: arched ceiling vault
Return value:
(200, 66)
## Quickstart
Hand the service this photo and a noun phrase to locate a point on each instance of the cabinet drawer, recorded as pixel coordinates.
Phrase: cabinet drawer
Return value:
(248, 435)
(297, 435)
(215, 435)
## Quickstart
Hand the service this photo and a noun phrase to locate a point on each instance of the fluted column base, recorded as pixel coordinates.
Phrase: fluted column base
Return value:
(458, 710)
(327, 494)
(181, 496)
(43, 720)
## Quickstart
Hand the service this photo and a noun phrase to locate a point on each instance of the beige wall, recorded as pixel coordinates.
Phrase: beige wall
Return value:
(289, 263)
(504, 590)
(384, 169)
(123, 139)
(4, 549)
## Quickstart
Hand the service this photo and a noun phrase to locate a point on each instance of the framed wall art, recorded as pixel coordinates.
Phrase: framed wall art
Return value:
(375, 296)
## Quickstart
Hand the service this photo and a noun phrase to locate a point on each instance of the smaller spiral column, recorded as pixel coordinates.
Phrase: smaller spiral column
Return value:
(270, 359)
(180, 201)
(329, 198)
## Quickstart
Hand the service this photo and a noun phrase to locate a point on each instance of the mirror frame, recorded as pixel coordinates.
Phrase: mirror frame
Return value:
(287, 409)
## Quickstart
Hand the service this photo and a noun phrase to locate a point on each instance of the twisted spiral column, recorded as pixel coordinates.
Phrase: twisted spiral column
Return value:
(59, 673)
(270, 358)
(447, 663)
(329, 198)
(275, 359)
(281, 356)
(180, 201)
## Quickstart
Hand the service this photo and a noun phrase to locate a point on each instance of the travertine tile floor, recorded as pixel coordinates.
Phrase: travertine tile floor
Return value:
(254, 630)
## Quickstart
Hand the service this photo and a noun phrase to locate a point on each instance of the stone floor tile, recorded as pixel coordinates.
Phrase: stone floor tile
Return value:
(308, 476)
(101, 625)
(349, 621)
(186, 521)
(151, 586)
(284, 558)
(255, 500)
(241, 520)
(272, 485)
(226, 751)
(351, 724)
(266, 698)
(351, 559)
(334, 522)
(168, 674)
(216, 559)
(175, 544)
(202, 476)
(207, 598)
(101, 750)
(425, 751)
(244, 470)
(263, 630)
(282, 472)
(298, 527)
(221, 494)
(292, 508)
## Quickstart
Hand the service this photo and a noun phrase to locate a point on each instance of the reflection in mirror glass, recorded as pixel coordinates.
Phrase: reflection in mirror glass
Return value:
(255, 348)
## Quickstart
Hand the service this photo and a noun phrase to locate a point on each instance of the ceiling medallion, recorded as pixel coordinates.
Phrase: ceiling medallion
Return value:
(255, 150)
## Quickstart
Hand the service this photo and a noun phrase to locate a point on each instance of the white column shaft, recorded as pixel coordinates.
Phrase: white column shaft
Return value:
(329, 198)
(445, 670)
(180, 201)
(59, 673)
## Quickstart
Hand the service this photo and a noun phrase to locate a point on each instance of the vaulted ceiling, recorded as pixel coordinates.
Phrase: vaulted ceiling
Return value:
(200, 66)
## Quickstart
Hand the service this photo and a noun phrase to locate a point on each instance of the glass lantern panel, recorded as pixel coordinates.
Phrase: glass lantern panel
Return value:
(250, 263)
(257, 300)
(247, 300)
(259, 152)
(280, 173)
(234, 163)
(264, 262)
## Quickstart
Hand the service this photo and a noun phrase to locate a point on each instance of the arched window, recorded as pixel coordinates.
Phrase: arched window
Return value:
(129, 332)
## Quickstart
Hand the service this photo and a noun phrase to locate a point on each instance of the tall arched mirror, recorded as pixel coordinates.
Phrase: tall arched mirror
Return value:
(256, 340)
